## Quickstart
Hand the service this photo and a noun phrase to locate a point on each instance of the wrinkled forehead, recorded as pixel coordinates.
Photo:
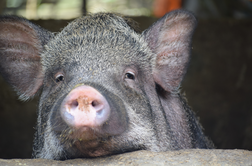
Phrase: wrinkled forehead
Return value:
(97, 39)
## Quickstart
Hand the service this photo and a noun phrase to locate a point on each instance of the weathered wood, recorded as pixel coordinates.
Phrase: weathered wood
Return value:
(182, 157)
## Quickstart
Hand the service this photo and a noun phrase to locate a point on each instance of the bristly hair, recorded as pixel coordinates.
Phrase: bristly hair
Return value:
(131, 23)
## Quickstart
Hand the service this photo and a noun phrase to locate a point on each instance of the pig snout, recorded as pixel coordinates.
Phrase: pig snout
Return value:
(84, 107)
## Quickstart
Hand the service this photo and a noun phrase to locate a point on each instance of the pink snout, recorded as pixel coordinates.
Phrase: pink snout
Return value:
(84, 106)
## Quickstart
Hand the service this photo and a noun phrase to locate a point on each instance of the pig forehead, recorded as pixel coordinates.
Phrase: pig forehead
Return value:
(100, 56)
(95, 43)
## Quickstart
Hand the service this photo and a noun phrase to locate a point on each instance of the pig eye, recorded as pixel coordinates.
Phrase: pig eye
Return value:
(59, 78)
(130, 75)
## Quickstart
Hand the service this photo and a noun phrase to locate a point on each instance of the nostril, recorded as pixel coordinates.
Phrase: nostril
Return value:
(95, 103)
(74, 104)
(98, 106)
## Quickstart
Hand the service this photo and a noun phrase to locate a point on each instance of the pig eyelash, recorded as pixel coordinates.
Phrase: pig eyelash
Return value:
(130, 75)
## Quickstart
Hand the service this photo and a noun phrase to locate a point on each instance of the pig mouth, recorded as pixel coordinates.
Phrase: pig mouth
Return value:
(94, 148)
(87, 142)
(86, 134)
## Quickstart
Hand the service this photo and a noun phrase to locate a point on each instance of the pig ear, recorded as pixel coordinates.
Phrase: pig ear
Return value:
(170, 40)
(21, 44)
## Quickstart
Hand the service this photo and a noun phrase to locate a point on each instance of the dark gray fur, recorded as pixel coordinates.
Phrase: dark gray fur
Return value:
(96, 50)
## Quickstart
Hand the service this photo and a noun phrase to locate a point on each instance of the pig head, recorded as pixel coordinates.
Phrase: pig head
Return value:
(104, 88)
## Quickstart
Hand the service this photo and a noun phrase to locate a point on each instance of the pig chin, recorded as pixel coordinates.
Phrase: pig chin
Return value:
(88, 143)
(93, 148)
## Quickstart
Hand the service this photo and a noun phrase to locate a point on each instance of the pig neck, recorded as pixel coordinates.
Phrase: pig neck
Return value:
(162, 128)
(177, 118)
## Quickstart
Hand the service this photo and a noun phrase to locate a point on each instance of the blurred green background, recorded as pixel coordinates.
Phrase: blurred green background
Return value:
(68, 9)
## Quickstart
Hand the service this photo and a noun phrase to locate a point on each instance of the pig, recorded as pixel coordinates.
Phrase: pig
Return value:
(104, 87)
